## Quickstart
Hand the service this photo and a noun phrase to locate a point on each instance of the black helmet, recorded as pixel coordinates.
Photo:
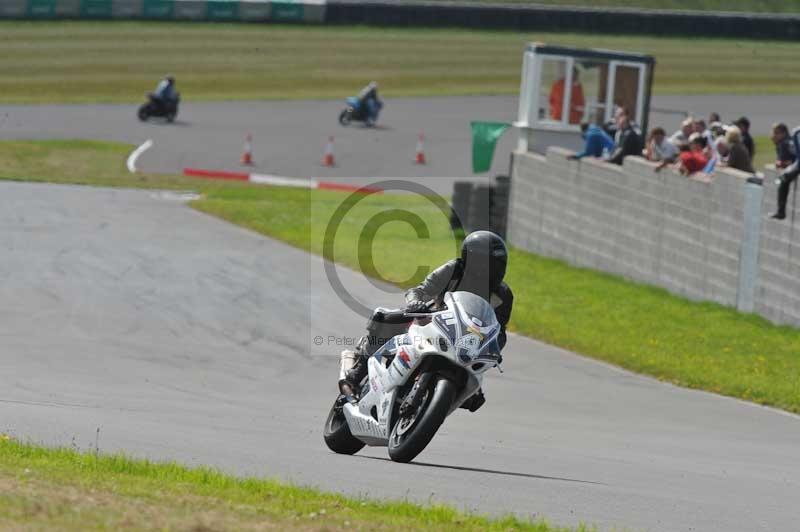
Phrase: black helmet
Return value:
(484, 257)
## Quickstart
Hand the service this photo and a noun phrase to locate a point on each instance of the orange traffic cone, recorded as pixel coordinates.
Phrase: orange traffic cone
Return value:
(247, 154)
(420, 158)
(327, 158)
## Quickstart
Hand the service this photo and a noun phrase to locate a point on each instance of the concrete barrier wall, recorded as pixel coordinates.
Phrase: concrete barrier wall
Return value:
(778, 286)
(663, 229)
(312, 11)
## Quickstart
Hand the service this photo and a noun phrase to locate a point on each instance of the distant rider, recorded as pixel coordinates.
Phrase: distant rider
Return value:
(165, 93)
(369, 98)
(479, 270)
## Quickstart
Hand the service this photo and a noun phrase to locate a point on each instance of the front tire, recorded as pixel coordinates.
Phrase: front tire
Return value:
(345, 117)
(337, 433)
(143, 113)
(413, 432)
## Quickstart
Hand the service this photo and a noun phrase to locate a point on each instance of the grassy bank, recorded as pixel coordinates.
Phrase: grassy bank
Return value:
(700, 345)
(45, 489)
(119, 61)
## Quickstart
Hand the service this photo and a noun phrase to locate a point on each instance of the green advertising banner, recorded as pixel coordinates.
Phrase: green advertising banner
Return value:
(222, 10)
(41, 8)
(96, 8)
(287, 11)
(217, 10)
(158, 9)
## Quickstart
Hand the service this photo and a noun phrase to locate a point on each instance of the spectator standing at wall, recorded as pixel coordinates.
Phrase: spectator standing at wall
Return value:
(744, 126)
(694, 159)
(659, 149)
(785, 153)
(738, 156)
(577, 102)
(787, 176)
(596, 141)
(681, 137)
(714, 117)
(700, 127)
(626, 141)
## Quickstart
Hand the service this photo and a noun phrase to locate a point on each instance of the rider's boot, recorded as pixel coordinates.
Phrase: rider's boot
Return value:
(474, 402)
(352, 371)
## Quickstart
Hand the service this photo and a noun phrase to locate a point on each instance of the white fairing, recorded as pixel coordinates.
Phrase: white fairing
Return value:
(465, 333)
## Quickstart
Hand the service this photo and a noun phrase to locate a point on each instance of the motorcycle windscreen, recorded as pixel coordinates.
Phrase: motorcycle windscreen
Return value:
(477, 327)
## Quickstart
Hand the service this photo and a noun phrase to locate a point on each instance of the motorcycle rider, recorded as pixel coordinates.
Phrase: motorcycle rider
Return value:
(479, 270)
(368, 97)
(165, 94)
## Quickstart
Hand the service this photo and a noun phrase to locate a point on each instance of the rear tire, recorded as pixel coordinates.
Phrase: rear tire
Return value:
(171, 116)
(405, 443)
(337, 433)
(143, 113)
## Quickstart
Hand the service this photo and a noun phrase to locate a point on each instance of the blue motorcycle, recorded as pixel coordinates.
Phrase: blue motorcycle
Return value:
(360, 112)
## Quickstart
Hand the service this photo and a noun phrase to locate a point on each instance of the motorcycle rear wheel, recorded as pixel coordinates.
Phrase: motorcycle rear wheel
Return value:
(337, 433)
(413, 432)
(171, 116)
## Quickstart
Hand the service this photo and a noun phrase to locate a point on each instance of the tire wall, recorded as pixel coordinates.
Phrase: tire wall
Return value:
(419, 14)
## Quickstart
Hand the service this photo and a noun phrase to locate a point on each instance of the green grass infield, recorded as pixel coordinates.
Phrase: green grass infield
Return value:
(63, 489)
(90, 62)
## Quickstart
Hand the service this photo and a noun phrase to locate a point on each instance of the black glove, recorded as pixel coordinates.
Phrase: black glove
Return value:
(415, 306)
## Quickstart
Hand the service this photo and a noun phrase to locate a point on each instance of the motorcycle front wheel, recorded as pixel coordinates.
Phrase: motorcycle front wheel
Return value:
(345, 117)
(413, 431)
(337, 433)
(144, 112)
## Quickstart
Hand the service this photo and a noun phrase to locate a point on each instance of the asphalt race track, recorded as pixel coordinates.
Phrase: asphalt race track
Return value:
(132, 322)
(289, 136)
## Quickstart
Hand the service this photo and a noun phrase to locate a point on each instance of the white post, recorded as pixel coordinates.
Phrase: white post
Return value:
(748, 259)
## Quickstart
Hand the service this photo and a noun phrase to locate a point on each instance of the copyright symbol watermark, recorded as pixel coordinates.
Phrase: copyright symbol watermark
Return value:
(318, 340)
(368, 228)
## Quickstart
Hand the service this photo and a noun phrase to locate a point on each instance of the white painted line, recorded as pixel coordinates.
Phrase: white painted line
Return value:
(183, 197)
(264, 179)
(136, 153)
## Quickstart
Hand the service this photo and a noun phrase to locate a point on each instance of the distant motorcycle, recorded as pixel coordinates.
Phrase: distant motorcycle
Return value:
(155, 107)
(359, 112)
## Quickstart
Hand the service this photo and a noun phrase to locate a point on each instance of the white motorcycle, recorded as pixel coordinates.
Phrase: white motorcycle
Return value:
(415, 379)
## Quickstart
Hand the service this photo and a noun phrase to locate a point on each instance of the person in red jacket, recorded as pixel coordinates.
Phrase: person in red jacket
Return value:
(577, 101)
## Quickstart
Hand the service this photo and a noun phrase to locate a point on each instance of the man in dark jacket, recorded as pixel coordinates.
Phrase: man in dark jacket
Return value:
(480, 270)
(626, 141)
(787, 174)
(744, 126)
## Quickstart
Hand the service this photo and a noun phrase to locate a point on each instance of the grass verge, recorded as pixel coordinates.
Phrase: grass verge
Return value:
(62, 489)
(89, 62)
(645, 329)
